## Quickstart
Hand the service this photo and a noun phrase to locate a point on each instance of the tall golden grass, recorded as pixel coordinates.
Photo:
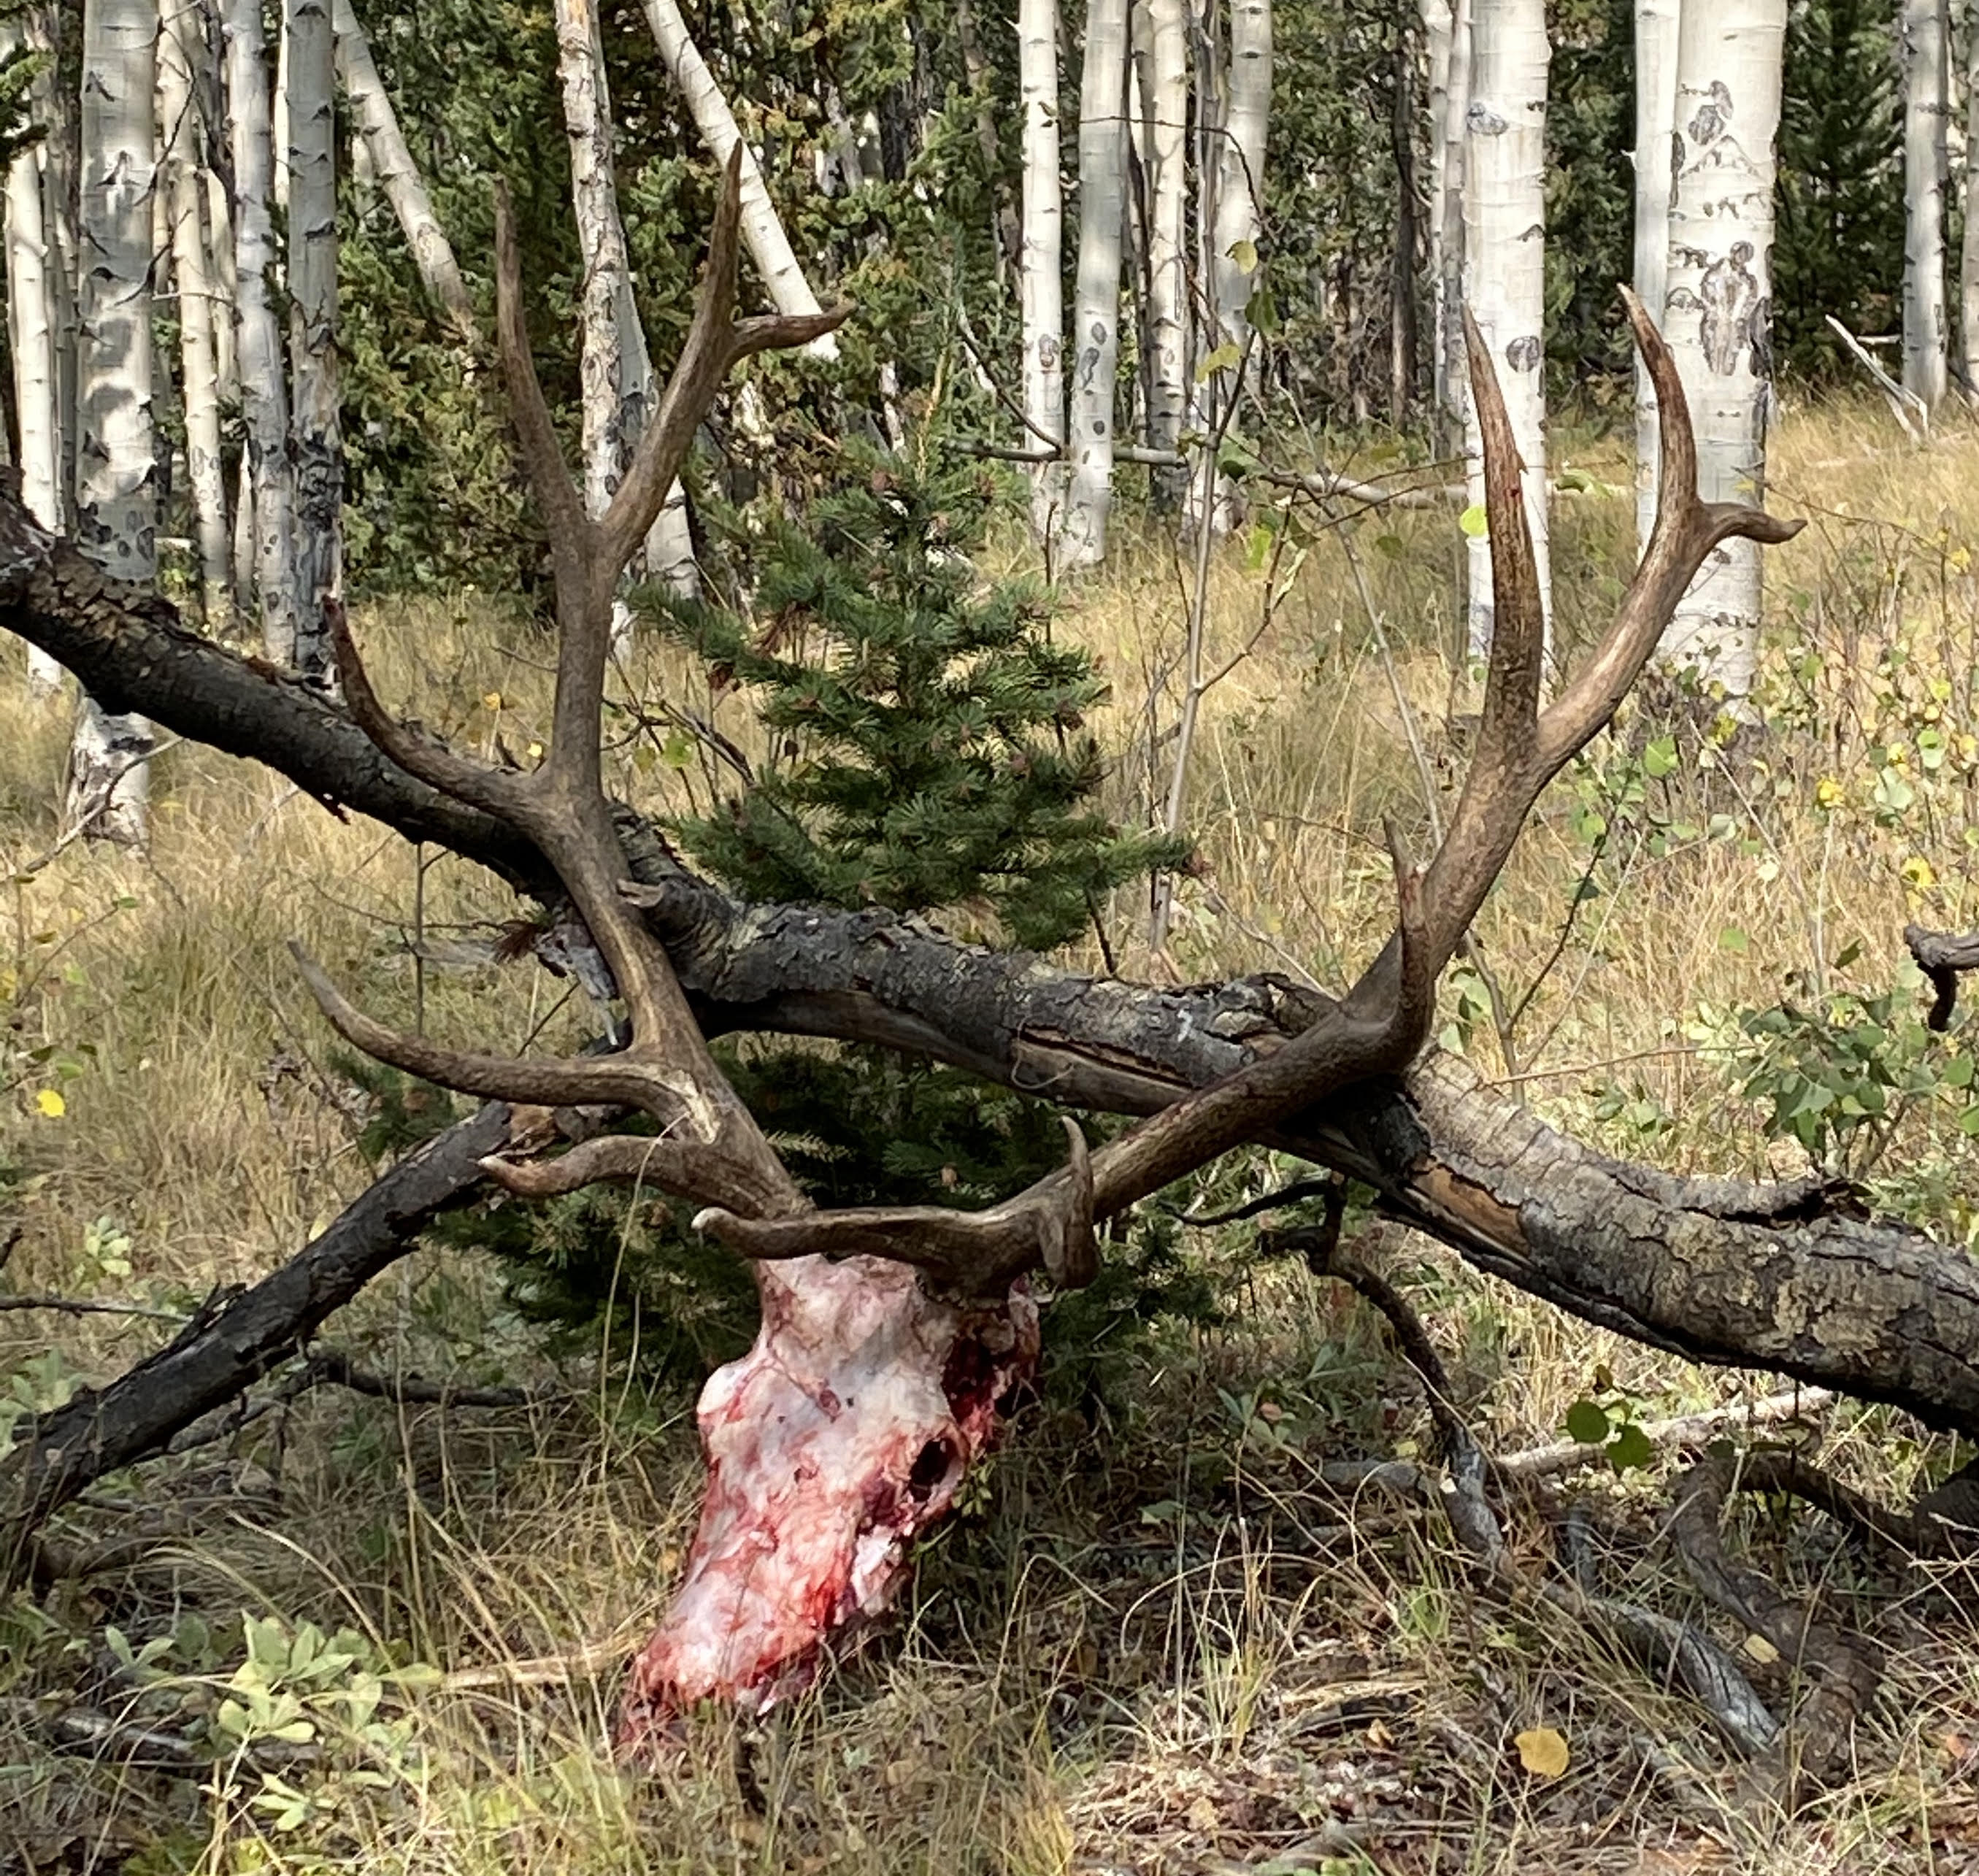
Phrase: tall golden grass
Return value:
(1135, 1652)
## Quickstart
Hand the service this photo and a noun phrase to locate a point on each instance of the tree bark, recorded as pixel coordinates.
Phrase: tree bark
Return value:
(768, 246)
(30, 329)
(1168, 234)
(264, 386)
(1402, 342)
(1040, 285)
(1717, 1271)
(180, 46)
(397, 174)
(1102, 212)
(1240, 183)
(316, 450)
(1452, 387)
(1657, 26)
(1968, 260)
(1717, 300)
(1504, 272)
(116, 500)
(1926, 33)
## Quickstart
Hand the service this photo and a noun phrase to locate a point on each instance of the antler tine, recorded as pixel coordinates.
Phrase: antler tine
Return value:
(1686, 530)
(569, 527)
(493, 791)
(621, 1080)
(1518, 609)
(716, 342)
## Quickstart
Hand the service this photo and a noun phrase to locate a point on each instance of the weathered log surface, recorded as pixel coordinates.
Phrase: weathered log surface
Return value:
(1716, 1270)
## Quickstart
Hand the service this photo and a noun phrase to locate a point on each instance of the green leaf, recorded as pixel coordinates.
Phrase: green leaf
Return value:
(1631, 1450)
(1660, 757)
(1733, 938)
(1587, 1422)
(1474, 522)
(1227, 354)
(1243, 256)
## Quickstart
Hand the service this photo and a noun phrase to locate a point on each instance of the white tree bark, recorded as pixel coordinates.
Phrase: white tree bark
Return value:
(1041, 287)
(1167, 109)
(316, 449)
(31, 322)
(179, 44)
(1968, 260)
(1452, 391)
(1504, 273)
(616, 374)
(1927, 111)
(1439, 23)
(769, 247)
(48, 29)
(116, 496)
(1240, 185)
(264, 386)
(1657, 26)
(1102, 212)
(1718, 300)
(396, 173)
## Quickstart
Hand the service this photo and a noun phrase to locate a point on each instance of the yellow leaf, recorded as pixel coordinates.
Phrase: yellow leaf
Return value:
(1917, 873)
(492, 699)
(1828, 792)
(1542, 1751)
(51, 1104)
(1761, 1650)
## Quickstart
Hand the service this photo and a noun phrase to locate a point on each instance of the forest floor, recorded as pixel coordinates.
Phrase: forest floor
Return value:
(353, 1633)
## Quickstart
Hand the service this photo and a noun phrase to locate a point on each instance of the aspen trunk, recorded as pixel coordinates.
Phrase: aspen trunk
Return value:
(1103, 207)
(179, 45)
(669, 541)
(1040, 285)
(1167, 106)
(317, 440)
(396, 173)
(601, 240)
(1656, 24)
(264, 388)
(1452, 395)
(30, 318)
(1504, 273)
(769, 247)
(1402, 336)
(1717, 294)
(1439, 21)
(116, 504)
(1240, 183)
(1968, 259)
(48, 31)
(1927, 109)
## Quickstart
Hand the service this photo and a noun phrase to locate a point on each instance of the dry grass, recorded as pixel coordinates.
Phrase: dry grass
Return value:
(1158, 1643)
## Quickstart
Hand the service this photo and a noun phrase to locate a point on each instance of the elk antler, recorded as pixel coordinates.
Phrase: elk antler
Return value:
(710, 1148)
(1383, 1020)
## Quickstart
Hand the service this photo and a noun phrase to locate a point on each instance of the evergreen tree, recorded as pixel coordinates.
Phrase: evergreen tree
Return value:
(1839, 243)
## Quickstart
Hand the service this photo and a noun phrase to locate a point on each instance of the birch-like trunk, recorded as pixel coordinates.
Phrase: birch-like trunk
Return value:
(264, 385)
(1041, 287)
(116, 518)
(1240, 183)
(396, 173)
(616, 375)
(1167, 113)
(316, 433)
(180, 43)
(1656, 24)
(1102, 212)
(1504, 273)
(1968, 259)
(1927, 111)
(1717, 296)
(768, 246)
(30, 334)
(1438, 26)
(1452, 385)
(48, 30)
